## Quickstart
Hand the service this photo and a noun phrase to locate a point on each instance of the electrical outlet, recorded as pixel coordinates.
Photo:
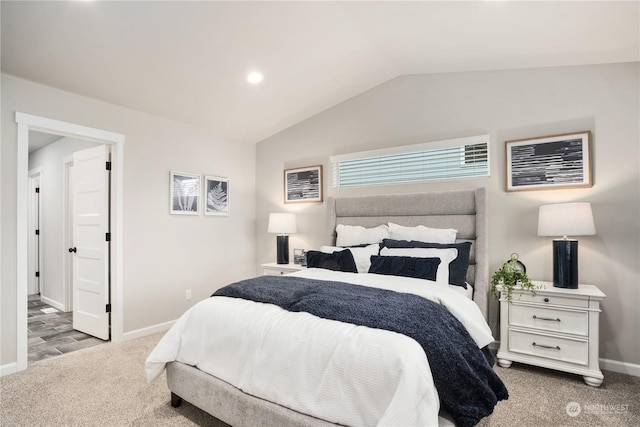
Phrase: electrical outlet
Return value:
(187, 294)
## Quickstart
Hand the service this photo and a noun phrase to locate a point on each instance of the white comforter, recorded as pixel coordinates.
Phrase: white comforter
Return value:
(342, 373)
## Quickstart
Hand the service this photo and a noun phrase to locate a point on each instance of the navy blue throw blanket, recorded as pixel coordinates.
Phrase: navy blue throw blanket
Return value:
(467, 384)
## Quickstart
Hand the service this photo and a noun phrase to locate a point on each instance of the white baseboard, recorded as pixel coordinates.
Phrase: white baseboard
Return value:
(621, 367)
(9, 368)
(52, 303)
(150, 330)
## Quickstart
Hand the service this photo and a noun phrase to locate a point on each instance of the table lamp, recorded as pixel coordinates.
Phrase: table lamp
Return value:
(563, 219)
(282, 224)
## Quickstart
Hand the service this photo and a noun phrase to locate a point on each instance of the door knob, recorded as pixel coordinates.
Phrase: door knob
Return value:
(73, 249)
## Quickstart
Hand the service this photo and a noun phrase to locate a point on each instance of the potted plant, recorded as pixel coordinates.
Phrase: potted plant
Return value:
(511, 274)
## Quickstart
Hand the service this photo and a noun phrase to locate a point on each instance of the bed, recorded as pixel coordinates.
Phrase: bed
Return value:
(241, 405)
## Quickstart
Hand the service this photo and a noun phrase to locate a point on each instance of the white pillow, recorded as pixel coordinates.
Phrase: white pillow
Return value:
(421, 233)
(354, 235)
(445, 255)
(362, 256)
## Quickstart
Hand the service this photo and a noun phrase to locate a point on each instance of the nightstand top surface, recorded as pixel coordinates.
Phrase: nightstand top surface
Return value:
(542, 287)
(587, 290)
(289, 266)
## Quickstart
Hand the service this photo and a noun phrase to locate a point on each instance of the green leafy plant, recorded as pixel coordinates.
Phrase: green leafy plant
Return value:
(509, 276)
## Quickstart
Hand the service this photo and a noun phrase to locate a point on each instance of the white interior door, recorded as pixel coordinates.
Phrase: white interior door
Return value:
(90, 249)
(33, 243)
(67, 235)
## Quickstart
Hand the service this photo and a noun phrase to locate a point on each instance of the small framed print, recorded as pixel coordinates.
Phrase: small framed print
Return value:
(185, 193)
(216, 196)
(303, 185)
(550, 162)
(299, 257)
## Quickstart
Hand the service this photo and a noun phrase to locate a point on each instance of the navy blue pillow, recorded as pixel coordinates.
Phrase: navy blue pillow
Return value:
(457, 268)
(419, 268)
(337, 261)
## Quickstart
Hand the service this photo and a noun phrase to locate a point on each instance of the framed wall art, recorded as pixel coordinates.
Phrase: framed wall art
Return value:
(303, 185)
(185, 193)
(550, 162)
(216, 196)
(299, 257)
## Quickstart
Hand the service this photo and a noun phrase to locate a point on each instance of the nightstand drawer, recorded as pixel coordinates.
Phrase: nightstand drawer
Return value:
(551, 300)
(271, 272)
(548, 319)
(274, 269)
(549, 347)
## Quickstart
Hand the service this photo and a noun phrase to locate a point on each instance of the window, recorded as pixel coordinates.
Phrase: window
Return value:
(439, 160)
(476, 154)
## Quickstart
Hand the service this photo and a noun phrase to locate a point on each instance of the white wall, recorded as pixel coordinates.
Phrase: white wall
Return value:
(164, 255)
(50, 159)
(507, 105)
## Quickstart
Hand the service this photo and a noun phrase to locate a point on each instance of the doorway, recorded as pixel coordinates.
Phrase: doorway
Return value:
(26, 123)
(56, 325)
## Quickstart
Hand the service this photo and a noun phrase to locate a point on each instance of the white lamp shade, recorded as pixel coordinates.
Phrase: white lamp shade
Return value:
(282, 223)
(566, 219)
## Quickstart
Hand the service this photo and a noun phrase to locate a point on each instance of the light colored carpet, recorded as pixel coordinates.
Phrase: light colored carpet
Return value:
(106, 386)
(539, 397)
(99, 386)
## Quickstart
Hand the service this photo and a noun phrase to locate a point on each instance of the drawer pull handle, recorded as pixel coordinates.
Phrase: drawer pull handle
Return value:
(546, 346)
(546, 318)
(546, 300)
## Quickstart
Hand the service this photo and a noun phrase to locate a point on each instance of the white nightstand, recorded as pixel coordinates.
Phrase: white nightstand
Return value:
(275, 269)
(556, 328)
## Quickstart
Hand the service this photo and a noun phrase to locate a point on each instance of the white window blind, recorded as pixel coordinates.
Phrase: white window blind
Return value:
(440, 160)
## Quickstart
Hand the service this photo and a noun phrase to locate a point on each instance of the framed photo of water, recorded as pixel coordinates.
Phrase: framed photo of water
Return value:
(303, 184)
(550, 162)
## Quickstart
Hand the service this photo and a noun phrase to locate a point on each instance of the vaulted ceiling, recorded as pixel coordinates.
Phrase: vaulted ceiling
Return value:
(188, 61)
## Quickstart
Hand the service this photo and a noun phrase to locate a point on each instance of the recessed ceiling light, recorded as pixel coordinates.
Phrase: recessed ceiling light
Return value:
(255, 77)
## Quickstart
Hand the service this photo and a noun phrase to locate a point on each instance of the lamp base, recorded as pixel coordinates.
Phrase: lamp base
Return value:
(565, 264)
(282, 249)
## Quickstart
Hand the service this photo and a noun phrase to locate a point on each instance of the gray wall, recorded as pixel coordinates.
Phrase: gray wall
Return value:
(506, 105)
(163, 254)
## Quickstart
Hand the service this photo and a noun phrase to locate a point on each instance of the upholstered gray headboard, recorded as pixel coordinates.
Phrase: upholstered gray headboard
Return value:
(464, 210)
